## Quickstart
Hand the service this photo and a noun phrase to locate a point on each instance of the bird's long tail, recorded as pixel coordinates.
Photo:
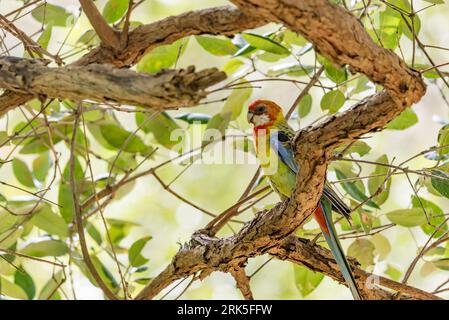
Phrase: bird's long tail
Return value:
(323, 215)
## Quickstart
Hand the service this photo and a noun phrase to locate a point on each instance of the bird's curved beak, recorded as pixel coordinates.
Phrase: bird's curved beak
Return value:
(249, 116)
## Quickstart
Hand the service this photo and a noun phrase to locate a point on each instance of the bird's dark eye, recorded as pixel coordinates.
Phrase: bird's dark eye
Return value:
(260, 109)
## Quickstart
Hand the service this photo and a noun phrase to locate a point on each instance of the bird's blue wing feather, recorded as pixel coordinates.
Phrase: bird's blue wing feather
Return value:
(278, 141)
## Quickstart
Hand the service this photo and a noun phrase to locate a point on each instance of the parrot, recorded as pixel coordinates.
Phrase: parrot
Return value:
(272, 136)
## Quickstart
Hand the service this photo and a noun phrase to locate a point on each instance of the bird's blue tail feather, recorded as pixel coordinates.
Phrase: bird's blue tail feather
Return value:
(337, 251)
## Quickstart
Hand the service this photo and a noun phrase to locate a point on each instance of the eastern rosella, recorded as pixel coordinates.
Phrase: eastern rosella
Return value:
(272, 136)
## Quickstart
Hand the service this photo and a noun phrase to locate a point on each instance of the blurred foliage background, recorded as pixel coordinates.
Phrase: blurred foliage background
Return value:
(147, 222)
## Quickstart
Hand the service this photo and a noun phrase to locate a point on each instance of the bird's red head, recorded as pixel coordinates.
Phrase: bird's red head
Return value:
(264, 113)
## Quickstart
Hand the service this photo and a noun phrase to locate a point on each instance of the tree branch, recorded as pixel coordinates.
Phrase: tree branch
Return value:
(221, 20)
(107, 35)
(242, 282)
(206, 254)
(104, 83)
(79, 220)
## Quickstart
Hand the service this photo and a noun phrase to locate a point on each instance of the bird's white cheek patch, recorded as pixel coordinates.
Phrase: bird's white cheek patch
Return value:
(260, 120)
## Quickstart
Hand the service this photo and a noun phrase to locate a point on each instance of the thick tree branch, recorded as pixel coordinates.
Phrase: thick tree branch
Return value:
(205, 254)
(104, 83)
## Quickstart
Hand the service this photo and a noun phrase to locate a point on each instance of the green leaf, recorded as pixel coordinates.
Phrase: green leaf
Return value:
(365, 220)
(89, 37)
(44, 38)
(65, 199)
(93, 232)
(359, 147)
(382, 246)
(49, 221)
(265, 43)
(304, 106)
(232, 66)
(217, 46)
(236, 100)
(104, 273)
(292, 69)
(440, 184)
(361, 85)
(377, 180)
(443, 140)
(119, 229)
(12, 290)
(161, 57)
(160, 125)
(123, 163)
(416, 25)
(135, 252)
(407, 217)
(245, 51)
(22, 173)
(24, 280)
(143, 281)
(269, 57)
(52, 14)
(405, 120)
(337, 75)
(435, 215)
(390, 28)
(393, 272)
(140, 269)
(119, 138)
(8, 220)
(435, 1)
(218, 122)
(49, 290)
(52, 248)
(114, 10)
(306, 280)
(34, 145)
(333, 101)
(436, 251)
(9, 238)
(291, 37)
(442, 264)
(363, 251)
(189, 117)
(353, 190)
(4, 137)
(41, 165)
